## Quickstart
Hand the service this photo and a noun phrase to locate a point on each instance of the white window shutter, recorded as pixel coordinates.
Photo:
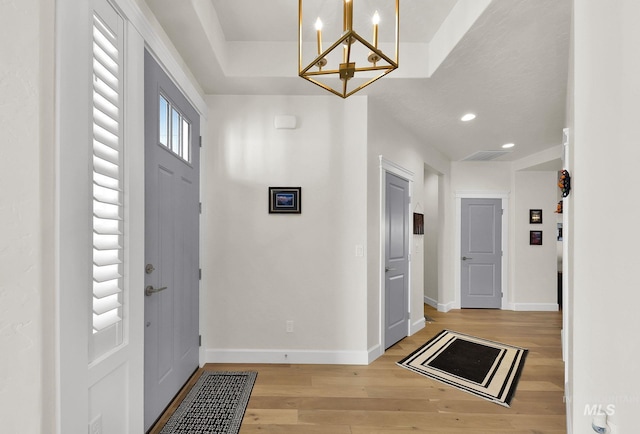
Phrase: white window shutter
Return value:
(108, 207)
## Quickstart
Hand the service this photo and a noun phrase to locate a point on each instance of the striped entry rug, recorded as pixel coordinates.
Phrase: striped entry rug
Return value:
(215, 405)
(487, 369)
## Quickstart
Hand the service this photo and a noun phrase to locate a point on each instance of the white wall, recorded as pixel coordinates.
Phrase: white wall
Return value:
(26, 311)
(262, 269)
(430, 239)
(605, 209)
(535, 278)
(482, 176)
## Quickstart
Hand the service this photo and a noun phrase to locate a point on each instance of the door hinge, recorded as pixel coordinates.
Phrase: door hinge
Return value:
(200, 207)
(199, 340)
(201, 141)
(199, 273)
(501, 212)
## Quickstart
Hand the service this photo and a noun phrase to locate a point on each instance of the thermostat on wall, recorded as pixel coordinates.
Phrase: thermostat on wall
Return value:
(285, 122)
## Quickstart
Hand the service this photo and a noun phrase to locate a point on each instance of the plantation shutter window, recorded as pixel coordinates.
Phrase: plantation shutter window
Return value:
(108, 195)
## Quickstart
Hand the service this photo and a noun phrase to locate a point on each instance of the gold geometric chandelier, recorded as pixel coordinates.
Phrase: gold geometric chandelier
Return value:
(351, 62)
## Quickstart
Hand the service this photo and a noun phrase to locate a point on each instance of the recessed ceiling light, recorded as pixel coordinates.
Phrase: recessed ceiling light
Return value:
(468, 117)
(508, 145)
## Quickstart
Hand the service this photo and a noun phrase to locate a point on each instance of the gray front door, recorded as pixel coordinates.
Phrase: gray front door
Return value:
(172, 161)
(396, 259)
(481, 253)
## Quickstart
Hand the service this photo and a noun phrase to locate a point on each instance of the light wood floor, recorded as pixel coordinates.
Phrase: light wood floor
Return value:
(382, 398)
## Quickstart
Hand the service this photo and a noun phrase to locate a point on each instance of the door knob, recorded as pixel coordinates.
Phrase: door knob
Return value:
(151, 290)
(464, 258)
(387, 269)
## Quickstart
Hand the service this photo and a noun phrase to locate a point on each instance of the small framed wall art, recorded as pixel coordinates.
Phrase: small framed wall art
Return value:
(535, 216)
(285, 200)
(418, 223)
(535, 238)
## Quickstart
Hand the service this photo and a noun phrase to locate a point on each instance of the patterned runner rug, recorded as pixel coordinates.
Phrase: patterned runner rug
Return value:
(215, 405)
(484, 368)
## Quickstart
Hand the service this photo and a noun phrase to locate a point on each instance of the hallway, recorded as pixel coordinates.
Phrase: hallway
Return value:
(383, 398)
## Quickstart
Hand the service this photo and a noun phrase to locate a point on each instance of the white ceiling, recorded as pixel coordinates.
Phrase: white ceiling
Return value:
(510, 67)
(276, 20)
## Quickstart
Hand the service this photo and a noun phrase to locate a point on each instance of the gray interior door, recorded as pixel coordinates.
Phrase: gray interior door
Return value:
(481, 253)
(171, 340)
(396, 259)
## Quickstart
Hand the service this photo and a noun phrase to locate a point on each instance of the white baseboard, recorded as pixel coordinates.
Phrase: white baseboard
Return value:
(417, 326)
(541, 307)
(446, 307)
(508, 305)
(375, 352)
(300, 357)
(532, 307)
(431, 302)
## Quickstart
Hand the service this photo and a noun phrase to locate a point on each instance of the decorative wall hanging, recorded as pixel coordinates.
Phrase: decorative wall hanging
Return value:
(418, 223)
(565, 182)
(535, 238)
(285, 200)
(559, 208)
(535, 216)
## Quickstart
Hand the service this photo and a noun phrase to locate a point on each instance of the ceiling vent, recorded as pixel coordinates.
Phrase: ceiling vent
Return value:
(485, 155)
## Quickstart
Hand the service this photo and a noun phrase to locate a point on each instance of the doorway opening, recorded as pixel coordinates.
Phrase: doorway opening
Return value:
(433, 238)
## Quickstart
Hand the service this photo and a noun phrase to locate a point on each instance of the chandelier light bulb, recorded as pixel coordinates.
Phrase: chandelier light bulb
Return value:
(323, 61)
(376, 18)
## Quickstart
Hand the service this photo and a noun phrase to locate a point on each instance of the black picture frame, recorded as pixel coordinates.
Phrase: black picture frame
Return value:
(535, 238)
(535, 216)
(418, 223)
(285, 200)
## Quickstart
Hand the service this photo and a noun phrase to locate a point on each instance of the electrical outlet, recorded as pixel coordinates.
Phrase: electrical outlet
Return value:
(95, 426)
(290, 326)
